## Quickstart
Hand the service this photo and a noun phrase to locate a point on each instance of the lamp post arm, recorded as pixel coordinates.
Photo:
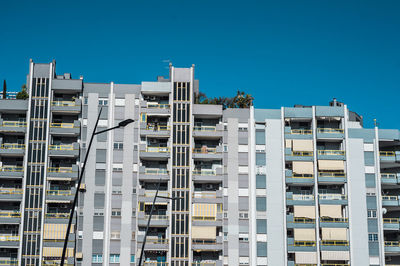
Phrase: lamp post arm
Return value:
(77, 191)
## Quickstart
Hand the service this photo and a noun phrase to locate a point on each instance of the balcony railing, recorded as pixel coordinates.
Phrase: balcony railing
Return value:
(13, 124)
(331, 174)
(9, 191)
(302, 176)
(301, 131)
(204, 218)
(304, 243)
(332, 196)
(156, 171)
(54, 192)
(63, 103)
(302, 197)
(204, 241)
(302, 220)
(205, 128)
(205, 150)
(389, 198)
(60, 170)
(12, 146)
(391, 220)
(333, 220)
(57, 215)
(387, 153)
(158, 217)
(157, 149)
(201, 263)
(331, 152)
(205, 194)
(206, 172)
(158, 105)
(8, 262)
(11, 168)
(302, 153)
(388, 175)
(62, 125)
(151, 194)
(155, 263)
(334, 242)
(9, 238)
(330, 130)
(61, 147)
(392, 243)
(10, 214)
(158, 127)
(156, 241)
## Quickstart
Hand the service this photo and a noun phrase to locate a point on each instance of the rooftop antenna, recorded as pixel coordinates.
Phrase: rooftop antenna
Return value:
(376, 124)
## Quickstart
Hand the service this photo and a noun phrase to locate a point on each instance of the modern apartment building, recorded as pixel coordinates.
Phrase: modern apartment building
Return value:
(306, 185)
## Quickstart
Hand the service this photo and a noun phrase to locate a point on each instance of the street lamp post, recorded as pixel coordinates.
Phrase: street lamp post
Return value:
(120, 124)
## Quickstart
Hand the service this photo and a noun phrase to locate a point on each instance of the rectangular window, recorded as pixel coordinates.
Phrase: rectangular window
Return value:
(261, 203)
(261, 249)
(85, 100)
(261, 181)
(116, 212)
(97, 258)
(372, 237)
(261, 226)
(114, 258)
(103, 101)
(115, 235)
(118, 145)
(132, 258)
(117, 190)
(371, 213)
(243, 215)
(98, 212)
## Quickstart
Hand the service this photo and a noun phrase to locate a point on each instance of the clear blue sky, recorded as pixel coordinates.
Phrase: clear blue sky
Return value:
(282, 52)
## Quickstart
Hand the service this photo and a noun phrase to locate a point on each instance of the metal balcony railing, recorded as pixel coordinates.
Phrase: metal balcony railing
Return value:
(205, 194)
(205, 128)
(156, 171)
(301, 131)
(60, 170)
(158, 105)
(331, 152)
(155, 263)
(12, 146)
(332, 196)
(10, 191)
(152, 193)
(304, 243)
(387, 153)
(13, 124)
(334, 242)
(204, 241)
(204, 218)
(157, 149)
(302, 153)
(390, 198)
(302, 220)
(10, 214)
(392, 243)
(301, 176)
(391, 220)
(63, 103)
(62, 125)
(333, 220)
(57, 215)
(9, 238)
(54, 192)
(330, 130)
(8, 262)
(61, 147)
(388, 175)
(331, 174)
(11, 168)
(205, 150)
(157, 127)
(302, 197)
(204, 172)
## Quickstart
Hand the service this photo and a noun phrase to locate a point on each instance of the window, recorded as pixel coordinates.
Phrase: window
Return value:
(261, 226)
(371, 213)
(114, 258)
(115, 235)
(97, 258)
(225, 148)
(261, 249)
(225, 215)
(243, 239)
(225, 236)
(116, 212)
(85, 100)
(132, 258)
(116, 191)
(118, 145)
(98, 212)
(103, 101)
(243, 215)
(133, 213)
(261, 204)
(261, 181)
(372, 237)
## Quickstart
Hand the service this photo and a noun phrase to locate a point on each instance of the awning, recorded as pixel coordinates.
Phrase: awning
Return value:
(303, 167)
(304, 211)
(331, 165)
(204, 232)
(205, 210)
(55, 231)
(302, 145)
(335, 255)
(304, 234)
(57, 252)
(332, 211)
(334, 233)
(305, 257)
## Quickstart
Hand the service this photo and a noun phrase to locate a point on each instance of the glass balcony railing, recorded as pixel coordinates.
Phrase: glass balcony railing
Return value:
(9, 238)
(10, 214)
(388, 175)
(204, 241)
(206, 172)
(158, 105)
(155, 127)
(330, 130)
(332, 197)
(61, 147)
(304, 243)
(390, 220)
(12, 146)
(57, 215)
(60, 170)
(10, 191)
(387, 153)
(150, 193)
(155, 263)
(331, 174)
(63, 103)
(157, 149)
(54, 192)
(62, 125)
(334, 242)
(205, 150)
(302, 153)
(302, 197)
(301, 131)
(13, 124)
(392, 243)
(8, 262)
(205, 128)
(11, 168)
(156, 171)
(205, 194)
(333, 220)
(302, 220)
(392, 198)
(331, 152)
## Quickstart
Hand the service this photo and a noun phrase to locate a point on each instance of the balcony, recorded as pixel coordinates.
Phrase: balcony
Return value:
(204, 263)
(207, 174)
(334, 222)
(335, 199)
(330, 133)
(155, 263)
(65, 129)
(207, 197)
(299, 222)
(206, 152)
(66, 106)
(62, 173)
(64, 150)
(11, 171)
(154, 243)
(148, 195)
(295, 245)
(392, 247)
(327, 177)
(56, 217)
(208, 131)
(10, 217)
(157, 219)
(156, 108)
(390, 178)
(10, 194)
(153, 174)
(334, 245)
(298, 155)
(18, 127)
(389, 156)
(390, 201)
(391, 224)
(12, 149)
(298, 133)
(157, 130)
(154, 152)
(8, 261)
(299, 199)
(207, 244)
(303, 179)
(9, 240)
(207, 220)
(331, 155)
(60, 196)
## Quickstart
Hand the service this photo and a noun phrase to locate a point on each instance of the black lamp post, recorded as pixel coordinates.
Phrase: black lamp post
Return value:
(120, 124)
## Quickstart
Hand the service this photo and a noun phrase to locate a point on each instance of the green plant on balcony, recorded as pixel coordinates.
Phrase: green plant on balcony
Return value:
(241, 100)
(23, 94)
